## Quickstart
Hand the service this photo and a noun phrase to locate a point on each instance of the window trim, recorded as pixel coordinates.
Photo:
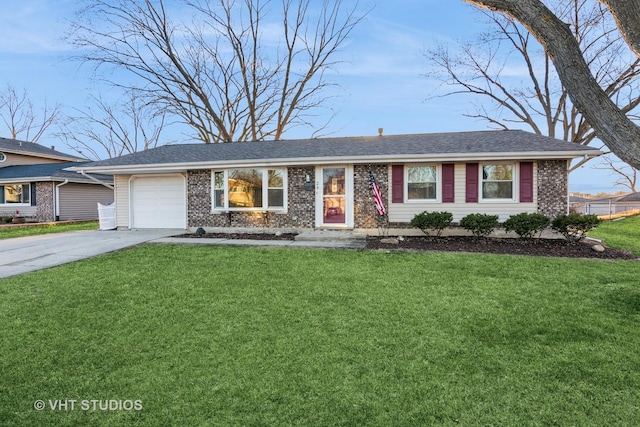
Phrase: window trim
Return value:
(438, 183)
(515, 172)
(265, 191)
(4, 197)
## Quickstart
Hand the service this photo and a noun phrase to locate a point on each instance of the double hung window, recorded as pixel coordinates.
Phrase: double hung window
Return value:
(497, 181)
(422, 183)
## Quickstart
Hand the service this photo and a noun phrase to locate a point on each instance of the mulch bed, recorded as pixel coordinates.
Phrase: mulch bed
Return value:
(534, 247)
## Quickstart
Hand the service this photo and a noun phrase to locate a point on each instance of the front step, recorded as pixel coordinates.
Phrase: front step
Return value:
(331, 236)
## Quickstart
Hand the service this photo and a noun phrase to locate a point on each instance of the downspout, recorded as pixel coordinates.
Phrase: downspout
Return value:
(57, 211)
(94, 179)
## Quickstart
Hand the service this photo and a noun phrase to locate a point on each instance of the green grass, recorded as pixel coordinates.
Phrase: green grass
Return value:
(620, 234)
(32, 230)
(250, 336)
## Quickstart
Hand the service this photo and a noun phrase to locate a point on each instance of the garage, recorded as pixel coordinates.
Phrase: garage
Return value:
(158, 201)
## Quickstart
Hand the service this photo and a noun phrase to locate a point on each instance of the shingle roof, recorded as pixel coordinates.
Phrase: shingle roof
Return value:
(631, 197)
(33, 149)
(52, 171)
(346, 148)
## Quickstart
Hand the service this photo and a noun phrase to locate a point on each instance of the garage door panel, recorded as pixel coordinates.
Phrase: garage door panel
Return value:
(158, 202)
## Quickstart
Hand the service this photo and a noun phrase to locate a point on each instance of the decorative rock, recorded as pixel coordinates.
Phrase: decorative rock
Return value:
(598, 248)
(389, 241)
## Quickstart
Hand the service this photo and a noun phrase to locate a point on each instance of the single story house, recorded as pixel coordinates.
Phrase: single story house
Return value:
(34, 184)
(325, 183)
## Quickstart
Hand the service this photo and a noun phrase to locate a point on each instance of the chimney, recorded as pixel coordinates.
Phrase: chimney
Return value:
(380, 130)
(53, 147)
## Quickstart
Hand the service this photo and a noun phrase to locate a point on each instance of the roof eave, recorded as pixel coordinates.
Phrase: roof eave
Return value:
(306, 161)
(44, 156)
(23, 180)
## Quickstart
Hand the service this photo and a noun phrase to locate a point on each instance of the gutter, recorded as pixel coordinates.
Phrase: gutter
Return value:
(57, 210)
(94, 179)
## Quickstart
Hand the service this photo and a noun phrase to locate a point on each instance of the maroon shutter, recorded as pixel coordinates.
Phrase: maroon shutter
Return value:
(526, 182)
(397, 184)
(472, 183)
(448, 177)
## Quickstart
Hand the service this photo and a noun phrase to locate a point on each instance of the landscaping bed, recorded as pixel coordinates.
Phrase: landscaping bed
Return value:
(533, 247)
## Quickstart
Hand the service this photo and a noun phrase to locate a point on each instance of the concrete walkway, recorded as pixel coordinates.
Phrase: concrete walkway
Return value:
(25, 254)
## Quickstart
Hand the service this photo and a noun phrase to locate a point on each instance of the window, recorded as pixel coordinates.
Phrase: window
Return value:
(497, 182)
(2, 157)
(422, 183)
(15, 193)
(250, 189)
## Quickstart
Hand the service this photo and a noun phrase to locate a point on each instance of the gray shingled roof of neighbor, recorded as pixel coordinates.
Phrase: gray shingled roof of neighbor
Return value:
(33, 149)
(458, 145)
(48, 172)
(631, 197)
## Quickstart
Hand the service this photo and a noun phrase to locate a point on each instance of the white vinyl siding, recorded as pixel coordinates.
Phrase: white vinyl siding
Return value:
(158, 201)
(404, 212)
(121, 197)
(80, 201)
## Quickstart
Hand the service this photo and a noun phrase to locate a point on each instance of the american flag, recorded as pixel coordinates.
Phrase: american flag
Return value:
(377, 196)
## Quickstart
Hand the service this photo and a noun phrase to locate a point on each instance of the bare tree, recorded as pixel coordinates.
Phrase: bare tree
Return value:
(611, 123)
(111, 130)
(234, 72)
(484, 68)
(21, 120)
(626, 176)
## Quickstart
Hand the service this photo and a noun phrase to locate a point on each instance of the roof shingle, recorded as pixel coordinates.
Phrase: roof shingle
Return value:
(513, 141)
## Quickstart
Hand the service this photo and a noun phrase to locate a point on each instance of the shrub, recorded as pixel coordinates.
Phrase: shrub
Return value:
(574, 227)
(527, 225)
(479, 224)
(437, 221)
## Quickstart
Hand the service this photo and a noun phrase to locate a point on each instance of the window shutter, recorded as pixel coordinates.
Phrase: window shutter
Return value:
(397, 184)
(472, 183)
(32, 189)
(448, 178)
(526, 182)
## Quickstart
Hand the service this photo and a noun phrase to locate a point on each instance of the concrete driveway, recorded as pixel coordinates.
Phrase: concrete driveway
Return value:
(25, 254)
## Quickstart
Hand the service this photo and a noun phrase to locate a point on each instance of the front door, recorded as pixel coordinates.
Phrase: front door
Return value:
(334, 197)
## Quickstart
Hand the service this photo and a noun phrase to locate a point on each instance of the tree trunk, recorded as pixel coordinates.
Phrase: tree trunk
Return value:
(612, 126)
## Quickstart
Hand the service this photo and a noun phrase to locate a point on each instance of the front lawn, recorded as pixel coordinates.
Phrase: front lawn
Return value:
(32, 230)
(251, 336)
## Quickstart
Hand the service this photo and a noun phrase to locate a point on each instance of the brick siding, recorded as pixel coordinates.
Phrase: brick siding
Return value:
(552, 187)
(300, 204)
(45, 204)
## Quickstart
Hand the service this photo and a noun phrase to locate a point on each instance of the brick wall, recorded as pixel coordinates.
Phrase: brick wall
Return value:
(552, 187)
(300, 212)
(364, 209)
(45, 203)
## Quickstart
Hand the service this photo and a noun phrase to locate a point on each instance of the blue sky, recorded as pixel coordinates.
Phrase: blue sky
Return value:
(381, 78)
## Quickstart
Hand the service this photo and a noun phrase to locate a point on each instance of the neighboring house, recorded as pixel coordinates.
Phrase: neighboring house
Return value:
(608, 205)
(34, 184)
(324, 183)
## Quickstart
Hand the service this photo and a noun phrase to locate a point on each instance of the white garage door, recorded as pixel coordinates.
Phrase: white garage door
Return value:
(158, 201)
